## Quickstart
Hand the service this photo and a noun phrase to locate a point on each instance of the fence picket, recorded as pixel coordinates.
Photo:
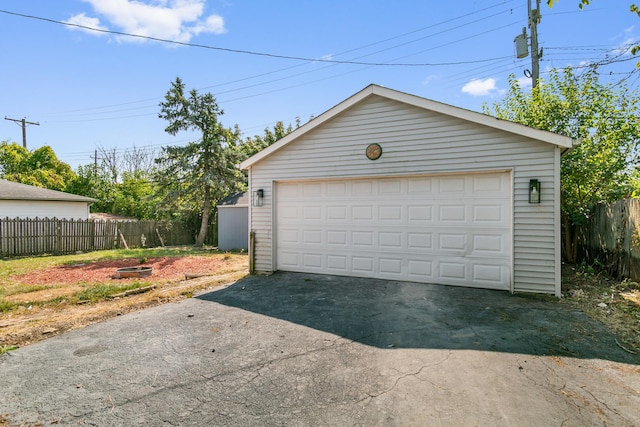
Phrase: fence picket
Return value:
(612, 237)
(19, 237)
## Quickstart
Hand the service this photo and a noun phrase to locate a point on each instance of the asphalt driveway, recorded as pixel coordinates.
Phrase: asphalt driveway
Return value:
(300, 349)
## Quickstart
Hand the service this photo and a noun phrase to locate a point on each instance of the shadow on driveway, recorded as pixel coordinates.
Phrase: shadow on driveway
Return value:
(391, 314)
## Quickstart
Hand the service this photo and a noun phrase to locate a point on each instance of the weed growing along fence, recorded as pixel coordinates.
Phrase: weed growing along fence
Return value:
(20, 237)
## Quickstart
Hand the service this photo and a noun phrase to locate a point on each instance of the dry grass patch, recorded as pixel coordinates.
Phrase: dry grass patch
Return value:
(615, 303)
(41, 297)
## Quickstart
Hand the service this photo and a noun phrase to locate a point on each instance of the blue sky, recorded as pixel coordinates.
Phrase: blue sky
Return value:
(92, 90)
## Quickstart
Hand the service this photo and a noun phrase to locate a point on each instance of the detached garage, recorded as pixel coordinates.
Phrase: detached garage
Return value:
(394, 186)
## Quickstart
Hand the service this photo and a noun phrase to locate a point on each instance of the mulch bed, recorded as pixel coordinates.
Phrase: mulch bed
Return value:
(169, 268)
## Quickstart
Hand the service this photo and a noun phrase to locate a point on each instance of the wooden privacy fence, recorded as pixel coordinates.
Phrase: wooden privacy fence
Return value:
(612, 237)
(59, 236)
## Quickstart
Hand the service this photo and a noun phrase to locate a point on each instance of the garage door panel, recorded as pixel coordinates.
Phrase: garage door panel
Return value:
(449, 213)
(419, 213)
(489, 213)
(453, 271)
(337, 237)
(288, 259)
(419, 186)
(337, 213)
(420, 270)
(362, 213)
(362, 238)
(312, 237)
(450, 229)
(389, 187)
(488, 273)
(337, 263)
(419, 241)
(390, 266)
(451, 185)
(489, 244)
(362, 188)
(390, 213)
(289, 236)
(362, 264)
(452, 242)
(391, 240)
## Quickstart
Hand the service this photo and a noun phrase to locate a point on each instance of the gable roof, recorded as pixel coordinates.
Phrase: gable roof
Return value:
(427, 104)
(235, 200)
(10, 190)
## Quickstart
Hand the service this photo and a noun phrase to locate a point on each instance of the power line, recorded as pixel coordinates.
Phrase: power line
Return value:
(457, 18)
(247, 52)
(334, 63)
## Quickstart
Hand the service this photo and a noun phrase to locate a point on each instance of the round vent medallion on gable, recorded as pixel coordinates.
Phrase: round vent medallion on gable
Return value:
(374, 151)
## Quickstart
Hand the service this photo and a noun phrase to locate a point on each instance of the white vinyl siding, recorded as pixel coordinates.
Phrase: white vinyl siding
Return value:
(416, 141)
(29, 209)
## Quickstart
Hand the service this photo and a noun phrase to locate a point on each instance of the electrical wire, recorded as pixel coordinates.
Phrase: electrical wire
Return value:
(490, 60)
(247, 52)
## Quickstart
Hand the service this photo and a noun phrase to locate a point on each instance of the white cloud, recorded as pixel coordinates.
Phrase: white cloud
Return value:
(178, 20)
(629, 40)
(85, 21)
(430, 78)
(480, 87)
(524, 82)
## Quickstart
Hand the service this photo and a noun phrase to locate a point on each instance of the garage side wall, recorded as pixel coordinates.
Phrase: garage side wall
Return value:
(43, 209)
(416, 141)
(233, 233)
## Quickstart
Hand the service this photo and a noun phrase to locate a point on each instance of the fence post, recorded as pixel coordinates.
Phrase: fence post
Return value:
(59, 242)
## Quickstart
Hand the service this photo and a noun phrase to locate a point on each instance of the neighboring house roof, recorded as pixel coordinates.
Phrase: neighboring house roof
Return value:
(375, 90)
(102, 216)
(10, 190)
(235, 200)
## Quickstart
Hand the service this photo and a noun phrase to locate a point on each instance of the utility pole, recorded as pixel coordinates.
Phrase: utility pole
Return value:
(534, 20)
(24, 124)
(95, 162)
(522, 46)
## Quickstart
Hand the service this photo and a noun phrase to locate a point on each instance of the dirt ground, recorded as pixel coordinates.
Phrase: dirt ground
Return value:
(167, 283)
(615, 303)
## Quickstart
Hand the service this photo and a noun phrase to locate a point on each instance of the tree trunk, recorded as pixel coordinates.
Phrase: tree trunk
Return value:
(570, 239)
(206, 212)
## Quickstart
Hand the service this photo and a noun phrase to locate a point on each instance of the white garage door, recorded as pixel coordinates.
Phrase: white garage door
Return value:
(453, 230)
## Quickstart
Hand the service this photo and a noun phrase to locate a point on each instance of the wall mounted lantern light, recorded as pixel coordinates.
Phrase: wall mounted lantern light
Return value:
(534, 191)
(258, 198)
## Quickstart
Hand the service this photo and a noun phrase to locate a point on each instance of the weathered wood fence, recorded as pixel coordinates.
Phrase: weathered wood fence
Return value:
(59, 236)
(612, 237)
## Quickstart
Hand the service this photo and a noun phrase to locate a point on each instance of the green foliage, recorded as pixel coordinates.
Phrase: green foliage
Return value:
(580, 5)
(604, 118)
(136, 196)
(40, 167)
(99, 292)
(635, 49)
(194, 177)
(94, 182)
(7, 348)
(253, 145)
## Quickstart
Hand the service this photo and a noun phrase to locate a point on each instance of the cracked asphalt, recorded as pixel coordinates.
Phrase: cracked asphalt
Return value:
(299, 349)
